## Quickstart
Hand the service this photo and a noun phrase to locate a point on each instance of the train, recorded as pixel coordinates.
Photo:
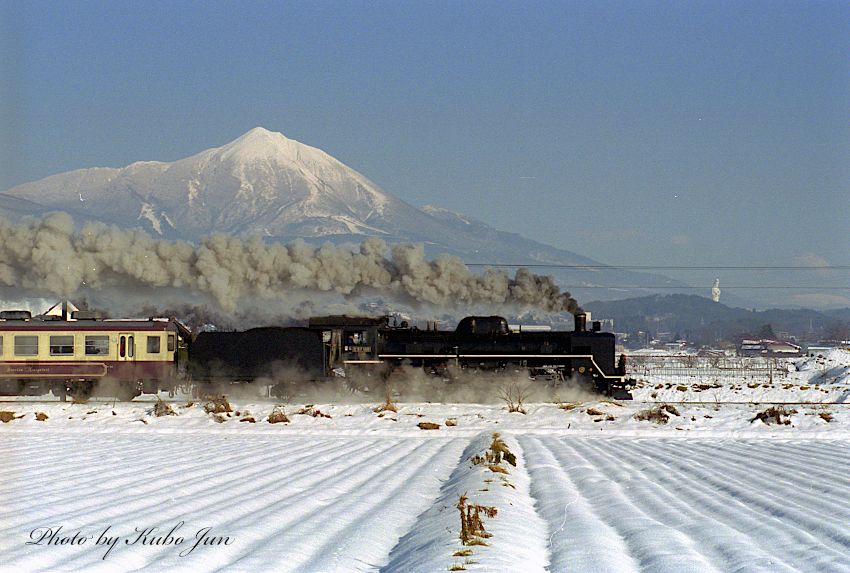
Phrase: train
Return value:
(83, 353)
(76, 355)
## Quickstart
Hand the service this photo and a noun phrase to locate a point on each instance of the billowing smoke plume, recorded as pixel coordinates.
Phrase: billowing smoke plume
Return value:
(50, 255)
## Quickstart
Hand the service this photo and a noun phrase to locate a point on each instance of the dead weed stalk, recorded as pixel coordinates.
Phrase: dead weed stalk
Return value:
(472, 530)
(388, 405)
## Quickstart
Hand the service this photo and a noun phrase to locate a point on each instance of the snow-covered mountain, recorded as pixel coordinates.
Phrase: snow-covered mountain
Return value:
(266, 184)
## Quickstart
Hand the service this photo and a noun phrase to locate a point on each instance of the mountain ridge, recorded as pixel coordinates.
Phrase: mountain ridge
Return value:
(265, 184)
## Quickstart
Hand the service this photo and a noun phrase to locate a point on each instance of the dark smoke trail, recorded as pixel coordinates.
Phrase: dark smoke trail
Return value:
(49, 255)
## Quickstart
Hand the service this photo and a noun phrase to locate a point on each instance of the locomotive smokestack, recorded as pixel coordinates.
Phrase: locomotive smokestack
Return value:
(581, 321)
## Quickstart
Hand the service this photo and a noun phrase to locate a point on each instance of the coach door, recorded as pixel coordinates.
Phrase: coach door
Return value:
(126, 347)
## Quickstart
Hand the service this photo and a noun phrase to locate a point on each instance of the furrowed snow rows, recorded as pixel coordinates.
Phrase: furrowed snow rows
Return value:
(393, 498)
(290, 504)
(692, 505)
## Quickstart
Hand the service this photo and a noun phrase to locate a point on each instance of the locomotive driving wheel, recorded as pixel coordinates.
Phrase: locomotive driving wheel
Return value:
(367, 379)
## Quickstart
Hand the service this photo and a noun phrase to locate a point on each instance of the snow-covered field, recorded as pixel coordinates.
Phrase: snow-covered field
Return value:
(565, 487)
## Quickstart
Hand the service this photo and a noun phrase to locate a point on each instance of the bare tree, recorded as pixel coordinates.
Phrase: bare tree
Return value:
(513, 395)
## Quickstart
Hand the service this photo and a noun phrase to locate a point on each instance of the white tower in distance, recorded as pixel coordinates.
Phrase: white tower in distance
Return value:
(715, 291)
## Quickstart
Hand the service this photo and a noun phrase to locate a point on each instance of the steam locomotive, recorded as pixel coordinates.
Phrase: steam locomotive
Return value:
(82, 354)
(373, 348)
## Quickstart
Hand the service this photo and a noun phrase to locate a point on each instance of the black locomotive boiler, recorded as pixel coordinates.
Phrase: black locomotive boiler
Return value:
(366, 345)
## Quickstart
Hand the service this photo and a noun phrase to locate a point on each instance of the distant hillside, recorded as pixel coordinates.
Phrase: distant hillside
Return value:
(703, 321)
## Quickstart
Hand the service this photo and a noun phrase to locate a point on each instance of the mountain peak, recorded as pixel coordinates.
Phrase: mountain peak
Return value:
(260, 145)
(258, 142)
(259, 134)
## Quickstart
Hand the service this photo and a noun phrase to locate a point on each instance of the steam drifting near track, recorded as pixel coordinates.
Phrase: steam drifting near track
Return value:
(50, 255)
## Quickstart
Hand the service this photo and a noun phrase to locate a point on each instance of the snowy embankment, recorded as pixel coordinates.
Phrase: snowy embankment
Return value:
(821, 378)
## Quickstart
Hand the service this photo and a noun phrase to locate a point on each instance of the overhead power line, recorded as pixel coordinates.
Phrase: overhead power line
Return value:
(706, 287)
(669, 267)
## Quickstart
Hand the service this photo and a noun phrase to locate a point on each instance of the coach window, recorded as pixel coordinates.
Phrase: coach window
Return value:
(153, 344)
(97, 345)
(61, 345)
(26, 346)
(131, 346)
(171, 343)
(1, 345)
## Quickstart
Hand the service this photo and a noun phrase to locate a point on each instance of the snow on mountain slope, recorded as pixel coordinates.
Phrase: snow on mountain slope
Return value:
(265, 184)
(262, 182)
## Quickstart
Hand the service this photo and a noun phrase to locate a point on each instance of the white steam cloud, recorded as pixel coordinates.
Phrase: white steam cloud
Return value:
(50, 255)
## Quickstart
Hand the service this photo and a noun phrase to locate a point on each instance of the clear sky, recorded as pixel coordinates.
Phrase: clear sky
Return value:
(675, 133)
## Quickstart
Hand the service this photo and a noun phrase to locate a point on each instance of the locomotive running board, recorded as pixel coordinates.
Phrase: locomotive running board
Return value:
(508, 356)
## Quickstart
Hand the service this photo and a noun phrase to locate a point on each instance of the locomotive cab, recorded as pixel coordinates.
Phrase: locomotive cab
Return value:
(483, 326)
(350, 340)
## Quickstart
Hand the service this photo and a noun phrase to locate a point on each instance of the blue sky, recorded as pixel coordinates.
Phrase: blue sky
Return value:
(674, 133)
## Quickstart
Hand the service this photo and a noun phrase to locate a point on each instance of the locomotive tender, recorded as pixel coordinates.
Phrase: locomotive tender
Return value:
(74, 355)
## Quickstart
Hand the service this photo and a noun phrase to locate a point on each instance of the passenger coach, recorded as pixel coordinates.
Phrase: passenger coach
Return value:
(38, 355)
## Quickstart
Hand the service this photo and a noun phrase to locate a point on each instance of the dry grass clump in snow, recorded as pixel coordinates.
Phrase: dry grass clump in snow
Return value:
(278, 416)
(494, 455)
(472, 530)
(217, 405)
(568, 405)
(428, 426)
(500, 449)
(658, 414)
(594, 412)
(163, 409)
(701, 387)
(826, 416)
(40, 416)
(6, 416)
(775, 415)
(388, 405)
(451, 422)
(513, 395)
(310, 410)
